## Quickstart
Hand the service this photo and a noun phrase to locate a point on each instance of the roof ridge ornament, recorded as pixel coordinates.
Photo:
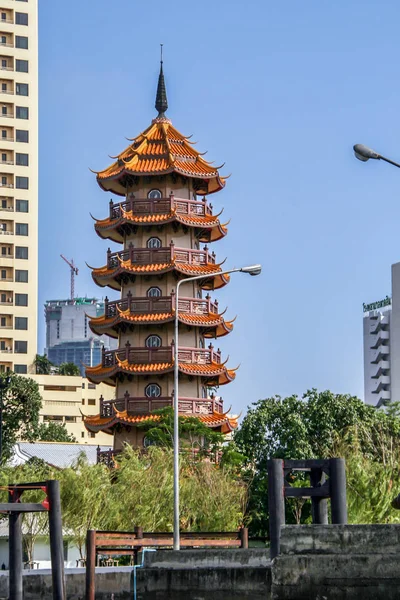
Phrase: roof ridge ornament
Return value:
(161, 97)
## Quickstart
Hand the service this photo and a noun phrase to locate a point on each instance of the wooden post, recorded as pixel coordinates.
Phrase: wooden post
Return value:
(244, 537)
(56, 540)
(139, 536)
(337, 480)
(276, 504)
(15, 549)
(90, 564)
(319, 506)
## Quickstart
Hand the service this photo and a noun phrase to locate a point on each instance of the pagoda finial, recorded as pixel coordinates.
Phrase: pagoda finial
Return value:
(161, 98)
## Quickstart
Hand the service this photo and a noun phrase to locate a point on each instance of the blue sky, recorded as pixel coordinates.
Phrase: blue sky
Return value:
(280, 92)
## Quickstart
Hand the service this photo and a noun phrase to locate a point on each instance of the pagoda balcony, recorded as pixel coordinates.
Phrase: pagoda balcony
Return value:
(162, 304)
(161, 206)
(151, 256)
(193, 406)
(163, 354)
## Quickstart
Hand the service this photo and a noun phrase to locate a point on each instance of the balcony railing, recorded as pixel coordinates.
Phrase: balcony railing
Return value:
(2, 68)
(7, 208)
(161, 206)
(163, 354)
(6, 185)
(148, 256)
(10, 21)
(162, 304)
(5, 232)
(196, 406)
(6, 162)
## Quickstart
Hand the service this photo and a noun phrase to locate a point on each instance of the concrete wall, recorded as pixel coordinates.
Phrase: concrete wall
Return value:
(337, 562)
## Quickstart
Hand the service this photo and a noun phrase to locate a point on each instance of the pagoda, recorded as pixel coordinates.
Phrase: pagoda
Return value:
(162, 222)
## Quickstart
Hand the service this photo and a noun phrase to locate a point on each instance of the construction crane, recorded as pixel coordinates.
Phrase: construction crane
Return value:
(74, 271)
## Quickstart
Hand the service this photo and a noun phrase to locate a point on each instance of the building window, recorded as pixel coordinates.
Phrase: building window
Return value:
(21, 299)
(4, 180)
(3, 274)
(154, 292)
(21, 228)
(20, 347)
(91, 386)
(21, 252)
(4, 63)
(83, 386)
(91, 402)
(22, 206)
(83, 399)
(22, 89)
(21, 41)
(21, 276)
(154, 194)
(21, 135)
(3, 157)
(92, 435)
(47, 418)
(153, 341)
(3, 40)
(69, 419)
(22, 183)
(22, 160)
(22, 112)
(22, 66)
(4, 134)
(21, 18)
(3, 87)
(21, 369)
(4, 110)
(21, 323)
(3, 321)
(154, 242)
(152, 390)
(82, 434)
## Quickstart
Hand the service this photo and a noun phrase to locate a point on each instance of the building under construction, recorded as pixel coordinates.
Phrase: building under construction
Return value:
(68, 335)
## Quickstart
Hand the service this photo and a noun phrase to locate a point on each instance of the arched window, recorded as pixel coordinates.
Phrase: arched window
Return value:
(154, 194)
(154, 292)
(153, 341)
(154, 242)
(152, 390)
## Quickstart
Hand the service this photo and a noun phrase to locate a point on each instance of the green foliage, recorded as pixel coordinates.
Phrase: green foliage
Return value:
(68, 368)
(42, 364)
(312, 427)
(54, 432)
(193, 434)
(21, 405)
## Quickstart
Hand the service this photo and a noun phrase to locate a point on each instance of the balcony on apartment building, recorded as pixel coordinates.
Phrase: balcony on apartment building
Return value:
(381, 322)
(6, 299)
(381, 383)
(6, 345)
(378, 339)
(381, 368)
(381, 353)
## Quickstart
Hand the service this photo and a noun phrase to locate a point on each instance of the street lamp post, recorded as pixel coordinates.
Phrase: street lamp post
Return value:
(251, 270)
(364, 153)
(4, 383)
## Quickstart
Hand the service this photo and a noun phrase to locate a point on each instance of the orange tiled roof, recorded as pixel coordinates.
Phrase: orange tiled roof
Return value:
(215, 372)
(104, 276)
(158, 150)
(113, 228)
(97, 423)
(101, 325)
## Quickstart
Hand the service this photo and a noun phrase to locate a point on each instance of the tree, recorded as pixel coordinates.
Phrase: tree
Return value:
(21, 405)
(309, 427)
(193, 434)
(68, 368)
(54, 432)
(42, 364)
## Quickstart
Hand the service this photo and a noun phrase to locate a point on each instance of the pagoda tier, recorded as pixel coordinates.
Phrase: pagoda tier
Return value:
(160, 150)
(125, 218)
(126, 314)
(124, 363)
(122, 267)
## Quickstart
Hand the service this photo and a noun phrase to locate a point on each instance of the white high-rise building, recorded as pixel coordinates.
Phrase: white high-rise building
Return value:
(381, 326)
(18, 184)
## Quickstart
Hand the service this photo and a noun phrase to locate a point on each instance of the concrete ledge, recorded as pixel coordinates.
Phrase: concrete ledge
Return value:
(193, 559)
(340, 539)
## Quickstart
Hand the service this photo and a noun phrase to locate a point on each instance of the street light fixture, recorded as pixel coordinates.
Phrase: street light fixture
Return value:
(4, 383)
(251, 270)
(364, 153)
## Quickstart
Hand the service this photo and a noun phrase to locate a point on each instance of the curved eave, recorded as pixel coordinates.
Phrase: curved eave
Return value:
(213, 328)
(213, 374)
(95, 423)
(104, 277)
(113, 229)
(211, 183)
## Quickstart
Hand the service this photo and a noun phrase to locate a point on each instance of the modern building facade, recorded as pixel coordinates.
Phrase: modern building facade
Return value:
(161, 221)
(381, 327)
(68, 335)
(18, 184)
(66, 397)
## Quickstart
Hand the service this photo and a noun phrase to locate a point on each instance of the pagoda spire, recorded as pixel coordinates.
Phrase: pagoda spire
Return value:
(161, 97)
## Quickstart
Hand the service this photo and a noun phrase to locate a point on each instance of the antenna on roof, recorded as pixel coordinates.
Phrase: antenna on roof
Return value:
(161, 97)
